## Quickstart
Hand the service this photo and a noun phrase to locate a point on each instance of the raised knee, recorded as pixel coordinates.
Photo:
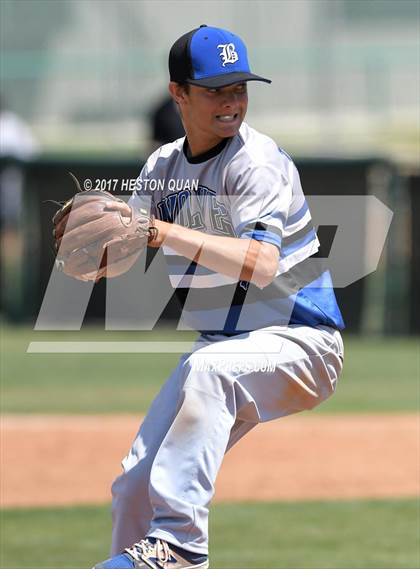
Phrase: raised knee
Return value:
(322, 393)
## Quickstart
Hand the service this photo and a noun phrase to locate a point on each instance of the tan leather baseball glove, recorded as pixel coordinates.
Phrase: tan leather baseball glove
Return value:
(98, 235)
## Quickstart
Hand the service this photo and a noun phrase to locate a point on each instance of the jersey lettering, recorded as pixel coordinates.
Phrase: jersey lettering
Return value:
(196, 210)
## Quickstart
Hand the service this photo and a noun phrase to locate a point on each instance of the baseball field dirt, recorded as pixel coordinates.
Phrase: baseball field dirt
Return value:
(61, 460)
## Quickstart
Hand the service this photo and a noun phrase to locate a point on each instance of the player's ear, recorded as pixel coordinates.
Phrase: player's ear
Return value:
(178, 92)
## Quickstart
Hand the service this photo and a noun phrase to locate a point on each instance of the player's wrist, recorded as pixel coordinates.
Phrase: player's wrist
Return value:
(157, 232)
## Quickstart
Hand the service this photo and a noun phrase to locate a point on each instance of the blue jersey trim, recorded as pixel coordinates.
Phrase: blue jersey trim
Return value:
(298, 215)
(266, 236)
(305, 240)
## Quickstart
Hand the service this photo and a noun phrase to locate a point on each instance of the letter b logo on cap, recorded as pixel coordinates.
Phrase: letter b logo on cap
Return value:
(228, 53)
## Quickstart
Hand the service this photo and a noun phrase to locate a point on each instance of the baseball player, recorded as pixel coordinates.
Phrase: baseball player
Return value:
(241, 249)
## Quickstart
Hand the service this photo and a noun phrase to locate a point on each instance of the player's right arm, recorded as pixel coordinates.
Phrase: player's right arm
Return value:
(242, 259)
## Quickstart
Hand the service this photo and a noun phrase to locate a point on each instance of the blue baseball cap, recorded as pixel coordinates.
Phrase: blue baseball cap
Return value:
(210, 57)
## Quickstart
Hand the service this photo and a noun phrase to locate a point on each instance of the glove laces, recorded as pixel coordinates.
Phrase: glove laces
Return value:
(145, 549)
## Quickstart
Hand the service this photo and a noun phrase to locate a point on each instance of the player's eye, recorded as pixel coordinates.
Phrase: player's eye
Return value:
(214, 90)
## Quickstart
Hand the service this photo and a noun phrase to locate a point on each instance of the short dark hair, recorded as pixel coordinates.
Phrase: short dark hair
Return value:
(185, 86)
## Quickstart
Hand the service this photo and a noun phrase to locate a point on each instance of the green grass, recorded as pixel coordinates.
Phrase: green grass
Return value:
(380, 375)
(315, 535)
(81, 383)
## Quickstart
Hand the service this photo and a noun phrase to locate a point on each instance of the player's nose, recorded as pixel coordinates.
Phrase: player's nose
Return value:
(229, 99)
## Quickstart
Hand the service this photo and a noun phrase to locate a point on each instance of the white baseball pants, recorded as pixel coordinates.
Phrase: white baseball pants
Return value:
(216, 394)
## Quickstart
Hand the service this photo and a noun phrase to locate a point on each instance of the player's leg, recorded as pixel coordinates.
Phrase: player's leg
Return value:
(186, 465)
(131, 508)
(279, 371)
(220, 403)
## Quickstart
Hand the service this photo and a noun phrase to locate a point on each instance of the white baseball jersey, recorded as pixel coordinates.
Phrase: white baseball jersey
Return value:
(246, 188)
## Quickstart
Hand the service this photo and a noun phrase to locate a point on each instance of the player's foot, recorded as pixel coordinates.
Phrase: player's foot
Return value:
(154, 553)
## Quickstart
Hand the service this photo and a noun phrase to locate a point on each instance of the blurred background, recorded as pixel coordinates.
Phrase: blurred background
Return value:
(85, 74)
(83, 88)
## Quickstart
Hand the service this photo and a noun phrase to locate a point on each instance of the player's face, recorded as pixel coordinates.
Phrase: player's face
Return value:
(209, 115)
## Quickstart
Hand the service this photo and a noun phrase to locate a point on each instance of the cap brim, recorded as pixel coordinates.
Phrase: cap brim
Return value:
(226, 79)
